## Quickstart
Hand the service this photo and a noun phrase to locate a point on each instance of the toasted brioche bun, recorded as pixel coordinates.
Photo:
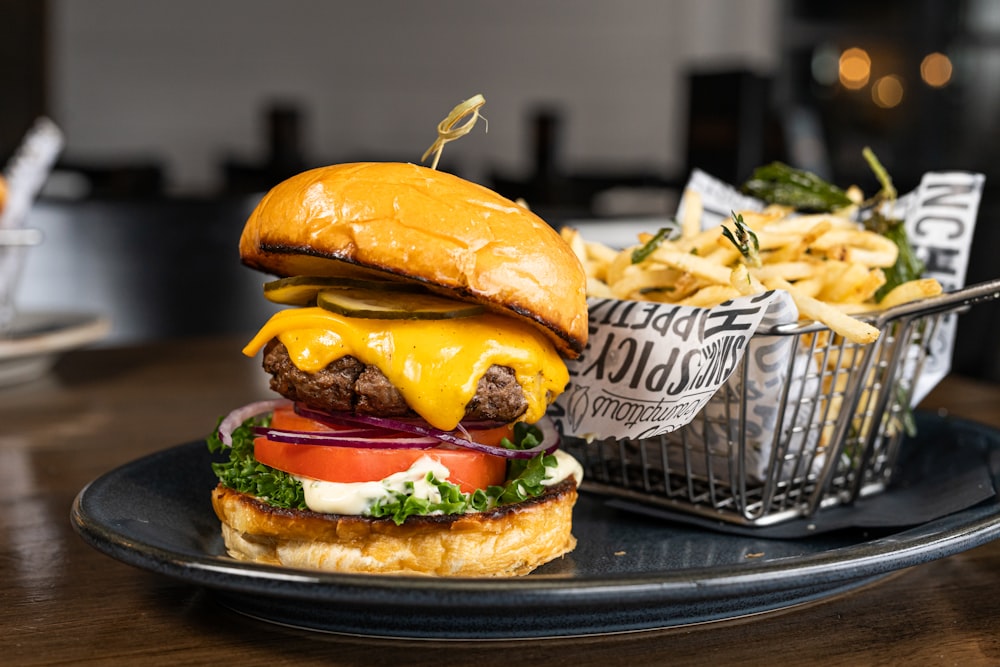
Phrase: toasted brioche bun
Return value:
(375, 218)
(508, 541)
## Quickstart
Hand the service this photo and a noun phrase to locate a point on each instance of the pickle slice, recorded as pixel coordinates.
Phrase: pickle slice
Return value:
(302, 290)
(382, 305)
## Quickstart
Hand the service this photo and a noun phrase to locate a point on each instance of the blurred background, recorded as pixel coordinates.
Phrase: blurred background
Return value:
(179, 115)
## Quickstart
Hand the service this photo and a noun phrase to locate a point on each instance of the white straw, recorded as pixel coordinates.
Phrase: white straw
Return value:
(27, 170)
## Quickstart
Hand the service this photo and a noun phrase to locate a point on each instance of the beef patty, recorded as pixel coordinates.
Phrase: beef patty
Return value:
(349, 385)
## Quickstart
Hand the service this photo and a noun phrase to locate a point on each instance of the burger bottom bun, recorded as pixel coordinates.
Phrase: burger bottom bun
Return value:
(507, 541)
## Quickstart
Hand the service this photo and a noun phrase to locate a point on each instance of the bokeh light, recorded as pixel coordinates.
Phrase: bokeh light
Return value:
(825, 65)
(855, 68)
(935, 70)
(887, 91)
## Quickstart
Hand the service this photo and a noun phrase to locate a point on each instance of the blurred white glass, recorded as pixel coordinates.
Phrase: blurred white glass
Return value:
(14, 246)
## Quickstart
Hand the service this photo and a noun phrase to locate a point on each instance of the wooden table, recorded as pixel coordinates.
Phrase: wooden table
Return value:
(65, 603)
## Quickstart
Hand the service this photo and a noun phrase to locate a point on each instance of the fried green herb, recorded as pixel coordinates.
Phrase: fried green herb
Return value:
(745, 241)
(888, 189)
(778, 183)
(666, 233)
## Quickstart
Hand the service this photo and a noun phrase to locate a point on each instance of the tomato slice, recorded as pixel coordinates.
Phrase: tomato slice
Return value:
(470, 470)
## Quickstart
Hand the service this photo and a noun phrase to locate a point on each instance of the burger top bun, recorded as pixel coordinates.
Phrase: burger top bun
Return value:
(378, 218)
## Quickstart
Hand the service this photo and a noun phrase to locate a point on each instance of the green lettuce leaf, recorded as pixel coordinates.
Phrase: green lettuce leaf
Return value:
(243, 473)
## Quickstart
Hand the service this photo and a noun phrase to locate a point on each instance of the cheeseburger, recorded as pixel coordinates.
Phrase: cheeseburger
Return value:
(422, 342)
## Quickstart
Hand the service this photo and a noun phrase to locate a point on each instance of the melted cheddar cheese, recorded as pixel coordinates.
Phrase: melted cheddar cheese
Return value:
(435, 364)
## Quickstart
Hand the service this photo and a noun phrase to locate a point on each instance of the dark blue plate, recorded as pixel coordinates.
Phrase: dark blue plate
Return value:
(628, 573)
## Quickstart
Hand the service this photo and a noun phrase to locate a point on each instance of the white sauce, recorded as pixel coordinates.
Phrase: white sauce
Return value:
(566, 466)
(357, 497)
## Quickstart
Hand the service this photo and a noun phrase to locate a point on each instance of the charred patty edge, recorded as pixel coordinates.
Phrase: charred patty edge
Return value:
(349, 385)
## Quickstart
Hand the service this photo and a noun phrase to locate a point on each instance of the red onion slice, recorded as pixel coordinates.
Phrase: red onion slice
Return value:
(376, 432)
(235, 419)
(370, 438)
(550, 436)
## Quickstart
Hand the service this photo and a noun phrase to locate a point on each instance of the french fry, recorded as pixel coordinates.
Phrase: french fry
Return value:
(794, 251)
(800, 224)
(574, 239)
(741, 281)
(701, 243)
(911, 291)
(854, 309)
(810, 286)
(616, 269)
(788, 270)
(854, 284)
(636, 280)
(858, 245)
(865, 290)
(710, 295)
(600, 253)
(703, 268)
(599, 288)
(725, 255)
(761, 219)
(850, 328)
(693, 209)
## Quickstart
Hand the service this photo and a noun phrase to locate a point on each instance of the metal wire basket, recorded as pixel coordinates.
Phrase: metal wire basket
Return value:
(841, 418)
